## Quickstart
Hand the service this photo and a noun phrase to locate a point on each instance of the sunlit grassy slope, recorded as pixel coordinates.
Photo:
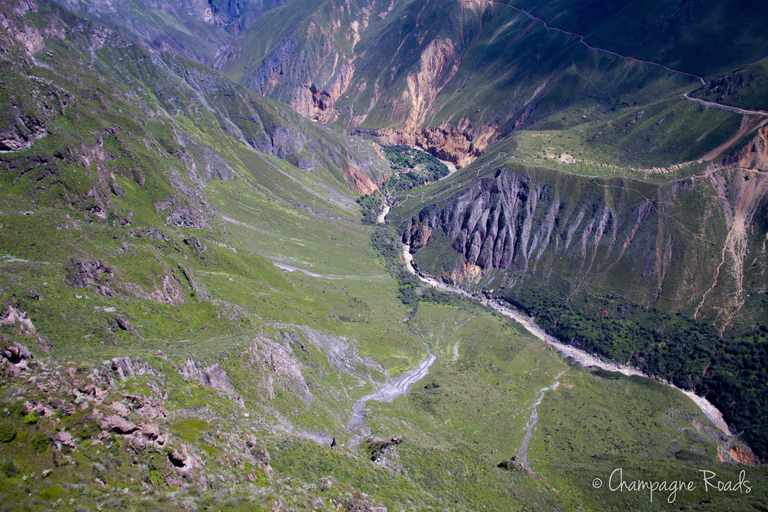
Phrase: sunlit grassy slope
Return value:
(145, 224)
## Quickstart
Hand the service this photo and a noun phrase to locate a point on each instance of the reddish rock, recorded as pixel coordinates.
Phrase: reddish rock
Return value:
(150, 430)
(118, 424)
(65, 438)
(119, 408)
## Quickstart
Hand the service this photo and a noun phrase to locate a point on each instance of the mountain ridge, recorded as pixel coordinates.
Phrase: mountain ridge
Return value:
(194, 296)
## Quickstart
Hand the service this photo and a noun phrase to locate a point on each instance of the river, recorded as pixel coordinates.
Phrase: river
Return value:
(580, 356)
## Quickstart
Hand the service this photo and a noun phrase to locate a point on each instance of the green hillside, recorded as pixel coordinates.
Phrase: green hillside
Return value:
(196, 304)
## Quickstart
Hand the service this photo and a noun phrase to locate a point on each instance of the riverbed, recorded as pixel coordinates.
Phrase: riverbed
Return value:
(583, 358)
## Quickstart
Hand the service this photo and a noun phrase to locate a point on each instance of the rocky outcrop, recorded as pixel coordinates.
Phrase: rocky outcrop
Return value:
(277, 65)
(277, 366)
(512, 464)
(123, 368)
(16, 360)
(359, 180)
(29, 108)
(734, 452)
(460, 144)
(237, 15)
(118, 424)
(167, 289)
(491, 224)
(185, 462)
(19, 318)
(437, 66)
(184, 27)
(213, 375)
(567, 232)
(384, 452)
(89, 273)
(258, 450)
(741, 184)
(22, 135)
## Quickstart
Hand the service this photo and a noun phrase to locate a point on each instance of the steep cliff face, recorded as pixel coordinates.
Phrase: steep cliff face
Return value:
(531, 228)
(307, 58)
(471, 74)
(234, 16)
(448, 77)
(741, 184)
(199, 30)
(438, 65)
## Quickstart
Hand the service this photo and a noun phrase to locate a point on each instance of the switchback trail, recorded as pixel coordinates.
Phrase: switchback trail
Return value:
(595, 48)
(729, 108)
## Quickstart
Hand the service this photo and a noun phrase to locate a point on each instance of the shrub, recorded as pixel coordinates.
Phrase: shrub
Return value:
(10, 469)
(7, 433)
(39, 442)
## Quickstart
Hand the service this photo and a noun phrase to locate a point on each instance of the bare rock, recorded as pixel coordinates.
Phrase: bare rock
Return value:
(118, 424)
(150, 430)
(184, 462)
(151, 412)
(258, 450)
(186, 217)
(122, 368)
(16, 360)
(379, 448)
(83, 273)
(65, 438)
(146, 407)
(213, 376)
(13, 316)
(279, 366)
(92, 392)
(119, 408)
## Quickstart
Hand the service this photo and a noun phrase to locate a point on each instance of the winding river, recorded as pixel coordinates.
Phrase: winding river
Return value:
(400, 385)
(582, 357)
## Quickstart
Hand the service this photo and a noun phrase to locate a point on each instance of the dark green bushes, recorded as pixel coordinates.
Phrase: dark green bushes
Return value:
(7, 433)
(412, 168)
(731, 372)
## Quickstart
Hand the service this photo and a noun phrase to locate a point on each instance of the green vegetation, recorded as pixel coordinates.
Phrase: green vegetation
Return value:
(695, 38)
(746, 87)
(7, 433)
(186, 263)
(731, 373)
(412, 168)
(371, 205)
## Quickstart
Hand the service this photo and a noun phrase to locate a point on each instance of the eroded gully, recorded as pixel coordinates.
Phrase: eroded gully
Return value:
(402, 384)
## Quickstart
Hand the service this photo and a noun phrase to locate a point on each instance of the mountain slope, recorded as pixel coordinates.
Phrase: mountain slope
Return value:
(470, 74)
(587, 253)
(703, 37)
(195, 29)
(153, 354)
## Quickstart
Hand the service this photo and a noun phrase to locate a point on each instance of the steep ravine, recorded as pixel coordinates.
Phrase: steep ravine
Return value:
(535, 228)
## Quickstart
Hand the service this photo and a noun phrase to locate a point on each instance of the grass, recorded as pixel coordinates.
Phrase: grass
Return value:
(212, 294)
